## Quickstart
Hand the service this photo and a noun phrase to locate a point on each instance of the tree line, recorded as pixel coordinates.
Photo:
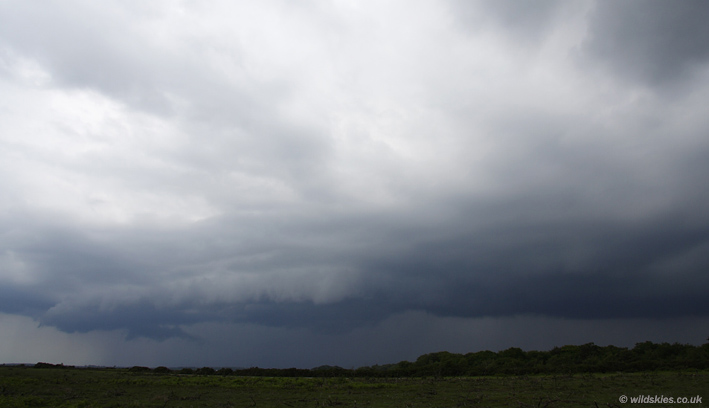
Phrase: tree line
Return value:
(586, 358)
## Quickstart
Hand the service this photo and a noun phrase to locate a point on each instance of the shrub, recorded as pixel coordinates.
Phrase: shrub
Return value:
(205, 371)
(225, 371)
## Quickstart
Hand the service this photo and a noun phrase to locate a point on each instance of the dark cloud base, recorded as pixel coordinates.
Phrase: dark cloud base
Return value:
(649, 269)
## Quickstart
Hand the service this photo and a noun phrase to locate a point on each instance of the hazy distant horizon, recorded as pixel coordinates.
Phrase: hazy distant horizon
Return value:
(673, 357)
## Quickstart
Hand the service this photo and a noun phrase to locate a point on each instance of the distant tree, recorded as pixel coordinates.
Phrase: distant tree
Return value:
(366, 372)
(205, 371)
(162, 370)
(514, 353)
(225, 371)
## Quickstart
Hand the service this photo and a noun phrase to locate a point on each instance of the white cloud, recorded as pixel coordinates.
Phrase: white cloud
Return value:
(81, 155)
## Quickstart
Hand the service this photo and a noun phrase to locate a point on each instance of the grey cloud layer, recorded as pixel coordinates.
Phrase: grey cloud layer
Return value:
(340, 166)
(652, 42)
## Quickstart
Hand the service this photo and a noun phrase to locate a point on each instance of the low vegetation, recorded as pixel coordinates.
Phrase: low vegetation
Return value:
(29, 387)
(569, 376)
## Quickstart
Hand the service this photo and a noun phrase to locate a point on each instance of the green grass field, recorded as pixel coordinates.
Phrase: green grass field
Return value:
(32, 387)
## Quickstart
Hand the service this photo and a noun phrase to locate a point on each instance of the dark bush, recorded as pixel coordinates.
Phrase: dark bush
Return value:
(205, 371)
(225, 371)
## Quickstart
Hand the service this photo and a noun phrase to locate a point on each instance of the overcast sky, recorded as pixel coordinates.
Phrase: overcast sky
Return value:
(280, 183)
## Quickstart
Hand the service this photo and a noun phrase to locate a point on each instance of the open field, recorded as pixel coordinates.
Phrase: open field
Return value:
(33, 387)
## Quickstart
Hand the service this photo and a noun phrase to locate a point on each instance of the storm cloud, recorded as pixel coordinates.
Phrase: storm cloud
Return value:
(182, 177)
(652, 43)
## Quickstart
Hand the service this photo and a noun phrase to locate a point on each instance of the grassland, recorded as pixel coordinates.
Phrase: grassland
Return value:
(33, 387)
